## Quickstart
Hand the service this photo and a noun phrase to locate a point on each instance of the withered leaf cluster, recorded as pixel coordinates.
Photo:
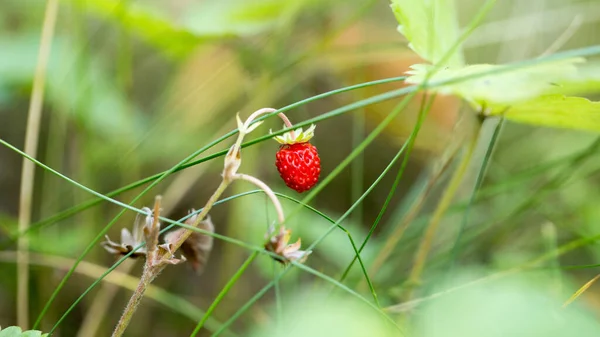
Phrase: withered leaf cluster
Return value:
(195, 249)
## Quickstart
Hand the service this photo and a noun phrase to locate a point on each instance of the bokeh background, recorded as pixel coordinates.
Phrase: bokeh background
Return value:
(133, 87)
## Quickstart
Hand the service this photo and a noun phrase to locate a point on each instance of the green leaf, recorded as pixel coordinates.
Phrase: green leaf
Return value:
(147, 23)
(11, 331)
(585, 81)
(236, 17)
(496, 91)
(516, 306)
(104, 109)
(15, 331)
(309, 315)
(557, 111)
(430, 27)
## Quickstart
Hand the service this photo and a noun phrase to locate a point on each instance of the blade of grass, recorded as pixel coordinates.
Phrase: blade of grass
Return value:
(516, 180)
(32, 132)
(581, 290)
(403, 307)
(423, 111)
(478, 181)
(338, 169)
(350, 291)
(454, 184)
(373, 134)
(174, 223)
(224, 292)
(431, 229)
(261, 292)
(107, 227)
(101, 302)
(587, 51)
(78, 208)
(541, 192)
(121, 279)
(394, 237)
(179, 223)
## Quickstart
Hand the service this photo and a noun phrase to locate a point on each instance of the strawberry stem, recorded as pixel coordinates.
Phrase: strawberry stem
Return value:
(287, 123)
(268, 191)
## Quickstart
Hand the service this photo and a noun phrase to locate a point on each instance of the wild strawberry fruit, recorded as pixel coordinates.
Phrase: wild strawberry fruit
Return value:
(297, 160)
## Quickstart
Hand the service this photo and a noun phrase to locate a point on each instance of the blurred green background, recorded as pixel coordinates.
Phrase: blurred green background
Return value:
(133, 87)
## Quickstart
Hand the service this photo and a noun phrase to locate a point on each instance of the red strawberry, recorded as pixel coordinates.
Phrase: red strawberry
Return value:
(297, 160)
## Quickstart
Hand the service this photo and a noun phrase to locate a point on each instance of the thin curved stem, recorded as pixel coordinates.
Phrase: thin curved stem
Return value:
(224, 292)
(85, 205)
(268, 191)
(286, 121)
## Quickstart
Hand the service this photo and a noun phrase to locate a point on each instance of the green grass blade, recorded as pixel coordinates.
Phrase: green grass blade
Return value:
(224, 292)
(181, 224)
(478, 182)
(78, 208)
(425, 107)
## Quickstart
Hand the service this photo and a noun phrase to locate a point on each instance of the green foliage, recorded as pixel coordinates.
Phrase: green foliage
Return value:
(515, 306)
(318, 314)
(149, 25)
(430, 27)
(202, 22)
(236, 17)
(83, 91)
(103, 110)
(521, 95)
(15, 331)
(557, 111)
(499, 90)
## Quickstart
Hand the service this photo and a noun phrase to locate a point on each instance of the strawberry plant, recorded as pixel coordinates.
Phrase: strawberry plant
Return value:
(454, 200)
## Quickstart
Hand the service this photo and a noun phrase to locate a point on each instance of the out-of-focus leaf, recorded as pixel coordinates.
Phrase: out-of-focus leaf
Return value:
(11, 331)
(586, 80)
(63, 244)
(557, 111)
(307, 314)
(85, 90)
(430, 27)
(498, 90)
(516, 307)
(236, 17)
(149, 25)
(32, 333)
(15, 331)
(18, 56)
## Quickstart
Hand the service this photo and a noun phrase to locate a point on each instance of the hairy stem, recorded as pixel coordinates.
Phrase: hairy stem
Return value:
(286, 121)
(154, 267)
(148, 276)
(209, 204)
(151, 271)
